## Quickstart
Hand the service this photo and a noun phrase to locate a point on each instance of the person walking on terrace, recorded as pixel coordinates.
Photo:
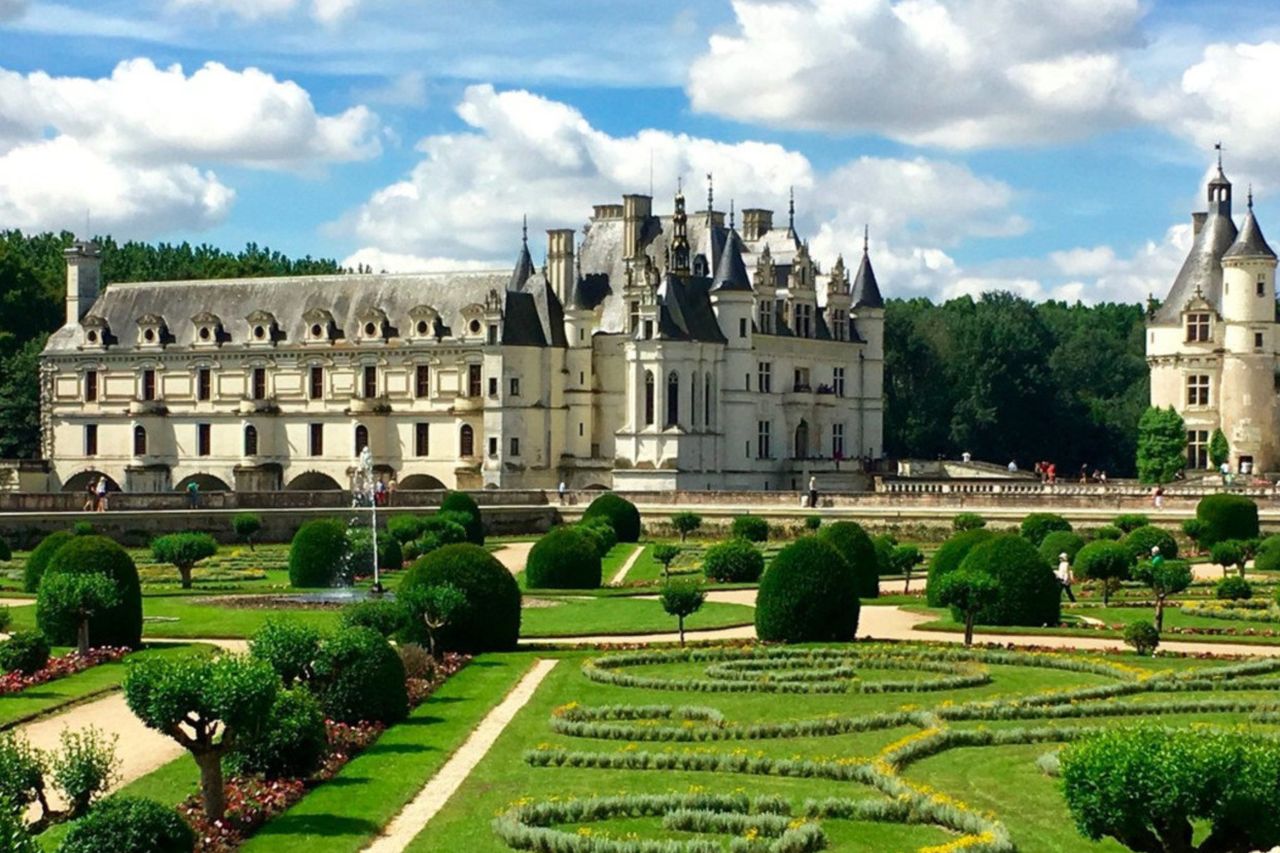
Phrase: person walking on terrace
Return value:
(1064, 576)
(813, 491)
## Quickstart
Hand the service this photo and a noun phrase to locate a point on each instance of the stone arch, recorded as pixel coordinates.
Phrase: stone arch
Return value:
(313, 481)
(802, 440)
(204, 482)
(421, 483)
(79, 482)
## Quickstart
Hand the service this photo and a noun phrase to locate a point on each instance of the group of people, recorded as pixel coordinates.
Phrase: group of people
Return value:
(96, 495)
(1066, 579)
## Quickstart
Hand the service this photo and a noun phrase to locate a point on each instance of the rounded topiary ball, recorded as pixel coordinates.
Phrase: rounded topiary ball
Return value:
(853, 544)
(463, 504)
(601, 532)
(948, 558)
(565, 558)
(752, 528)
(621, 514)
(129, 825)
(1029, 592)
(1038, 525)
(1060, 542)
(38, 559)
(116, 626)
(490, 620)
(1268, 557)
(359, 676)
(734, 561)
(1234, 589)
(809, 594)
(1141, 540)
(293, 742)
(318, 554)
(1225, 517)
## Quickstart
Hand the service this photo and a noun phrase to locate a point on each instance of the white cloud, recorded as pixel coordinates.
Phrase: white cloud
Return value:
(380, 261)
(11, 10)
(952, 73)
(324, 11)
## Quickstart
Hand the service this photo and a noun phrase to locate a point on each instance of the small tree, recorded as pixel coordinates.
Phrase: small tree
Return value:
(1143, 636)
(204, 705)
(968, 592)
(86, 767)
(1162, 445)
(685, 523)
(967, 521)
(184, 550)
(1219, 450)
(681, 599)
(666, 554)
(904, 559)
(1106, 562)
(1228, 553)
(435, 606)
(22, 769)
(812, 522)
(288, 647)
(79, 597)
(1166, 578)
(246, 525)
(1193, 529)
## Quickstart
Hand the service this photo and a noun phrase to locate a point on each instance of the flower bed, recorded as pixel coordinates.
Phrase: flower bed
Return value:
(60, 667)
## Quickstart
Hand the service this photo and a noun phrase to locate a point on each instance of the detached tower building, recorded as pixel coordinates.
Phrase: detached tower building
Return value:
(1212, 344)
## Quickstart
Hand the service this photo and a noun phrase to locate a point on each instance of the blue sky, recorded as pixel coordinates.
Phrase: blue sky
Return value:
(1050, 147)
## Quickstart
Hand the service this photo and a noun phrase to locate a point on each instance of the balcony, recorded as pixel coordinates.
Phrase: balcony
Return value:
(259, 406)
(468, 404)
(139, 406)
(369, 405)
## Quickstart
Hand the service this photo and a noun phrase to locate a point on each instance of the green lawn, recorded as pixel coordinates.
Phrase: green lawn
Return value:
(570, 617)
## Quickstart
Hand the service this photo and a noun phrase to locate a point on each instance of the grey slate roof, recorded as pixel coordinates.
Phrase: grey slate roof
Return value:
(731, 272)
(865, 291)
(1249, 242)
(523, 268)
(1201, 271)
(685, 310)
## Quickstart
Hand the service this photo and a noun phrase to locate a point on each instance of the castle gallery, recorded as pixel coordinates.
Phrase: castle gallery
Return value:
(651, 351)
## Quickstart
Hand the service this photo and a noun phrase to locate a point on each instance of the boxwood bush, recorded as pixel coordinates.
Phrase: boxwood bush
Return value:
(853, 544)
(405, 528)
(809, 594)
(318, 554)
(490, 621)
(1038, 525)
(1060, 542)
(1226, 516)
(359, 676)
(129, 825)
(360, 552)
(38, 559)
(948, 558)
(565, 558)
(1131, 521)
(26, 652)
(621, 514)
(752, 528)
(884, 545)
(1141, 540)
(1268, 557)
(733, 561)
(115, 626)
(1234, 589)
(1105, 561)
(465, 505)
(291, 744)
(1109, 532)
(1029, 592)
(383, 615)
(967, 521)
(601, 532)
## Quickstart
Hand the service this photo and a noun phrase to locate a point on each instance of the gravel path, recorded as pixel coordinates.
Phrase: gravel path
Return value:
(16, 602)
(405, 826)
(621, 574)
(514, 555)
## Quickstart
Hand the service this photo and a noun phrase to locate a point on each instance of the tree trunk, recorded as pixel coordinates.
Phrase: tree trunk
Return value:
(212, 788)
(680, 619)
(1159, 614)
(906, 586)
(251, 543)
(1242, 562)
(185, 571)
(82, 636)
(968, 628)
(1106, 591)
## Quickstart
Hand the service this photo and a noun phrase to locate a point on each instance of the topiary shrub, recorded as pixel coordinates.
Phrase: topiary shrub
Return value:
(120, 625)
(359, 676)
(884, 545)
(450, 527)
(948, 558)
(1228, 553)
(1029, 592)
(129, 825)
(1038, 525)
(292, 743)
(84, 528)
(382, 615)
(1109, 532)
(26, 652)
(733, 561)
(360, 553)
(1226, 517)
(183, 551)
(565, 558)
(1141, 540)
(1060, 542)
(967, 521)
(5, 553)
(246, 525)
(318, 554)
(1234, 589)
(1131, 521)
(405, 528)
(464, 504)
(601, 533)
(809, 594)
(490, 620)
(1143, 636)
(857, 550)
(620, 513)
(38, 559)
(685, 523)
(1268, 557)
(1104, 561)
(289, 647)
(752, 528)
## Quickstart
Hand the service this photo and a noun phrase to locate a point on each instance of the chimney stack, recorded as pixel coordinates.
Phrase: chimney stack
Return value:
(636, 210)
(756, 222)
(84, 265)
(560, 268)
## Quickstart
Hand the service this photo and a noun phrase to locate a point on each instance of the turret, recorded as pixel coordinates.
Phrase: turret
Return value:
(680, 257)
(732, 299)
(1248, 276)
(84, 264)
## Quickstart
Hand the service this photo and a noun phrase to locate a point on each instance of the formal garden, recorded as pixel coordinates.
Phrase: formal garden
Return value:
(208, 691)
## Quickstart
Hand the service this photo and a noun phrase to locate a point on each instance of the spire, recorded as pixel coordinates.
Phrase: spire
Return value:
(865, 291)
(1218, 146)
(731, 272)
(524, 229)
(866, 238)
(1249, 243)
(679, 236)
(731, 210)
(1251, 196)
(791, 211)
(524, 263)
(711, 195)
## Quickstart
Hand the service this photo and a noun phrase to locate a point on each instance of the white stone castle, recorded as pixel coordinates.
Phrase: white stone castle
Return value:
(660, 352)
(1212, 343)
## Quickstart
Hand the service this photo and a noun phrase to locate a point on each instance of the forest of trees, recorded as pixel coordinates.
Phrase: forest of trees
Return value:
(1000, 377)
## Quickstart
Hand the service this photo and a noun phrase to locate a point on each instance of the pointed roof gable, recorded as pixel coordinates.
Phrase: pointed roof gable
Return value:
(865, 290)
(731, 272)
(523, 269)
(1249, 242)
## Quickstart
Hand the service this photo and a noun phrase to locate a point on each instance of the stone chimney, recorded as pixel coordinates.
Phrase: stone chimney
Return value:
(636, 210)
(1197, 222)
(756, 222)
(560, 267)
(84, 264)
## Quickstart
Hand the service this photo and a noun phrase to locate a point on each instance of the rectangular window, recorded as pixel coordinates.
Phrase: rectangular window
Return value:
(515, 446)
(259, 383)
(633, 316)
(802, 379)
(742, 327)
(1198, 327)
(837, 441)
(148, 384)
(1262, 287)
(837, 381)
(204, 383)
(473, 380)
(1198, 389)
(422, 381)
(764, 450)
(90, 439)
(316, 439)
(804, 320)
(422, 439)
(90, 386)
(316, 384)
(515, 386)
(838, 325)
(370, 381)
(493, 386)
(493, 446)
(204, 439)
(648, 329)
(493, 334)
(1257, 340)
(766, 318)
(1198, 448)
(764, 377)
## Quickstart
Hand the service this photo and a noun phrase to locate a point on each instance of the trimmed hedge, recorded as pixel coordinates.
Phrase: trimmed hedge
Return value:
(116, 626)
(1141, 540)
(752, 528)
(405, 528)
(1038, 525)
(949, 556)
(490, 621)
(26, 652)
(565, 558)
(1234, 589)
(1131, 521)
(1109, 532)
(1268, 557)
(464, 504)
(359, 676)
(808, 594)
(360, 552)
(291, 744)
(853, 544)
(129, 825)
(733, 561)
(318, 554)
(967, 521)
(601, 533)
(38, 559)
(1029, 592)
(621, 514)
(1226, 516)
(1060, 542)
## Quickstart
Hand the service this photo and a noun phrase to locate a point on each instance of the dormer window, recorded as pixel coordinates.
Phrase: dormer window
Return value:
(373, 325)
(151, 330)
(424, 321)
(473, 317)
(208, 329)
(320, 326)
(263, 328)
(97, 334)
(1198, 327)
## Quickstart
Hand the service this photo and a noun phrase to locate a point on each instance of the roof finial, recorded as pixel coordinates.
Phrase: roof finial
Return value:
(679, 184)
(1251, 195)
(731, 213)
(866, 237)
(1218, 147)
(791, 209)
(524, 229)
(710, 194)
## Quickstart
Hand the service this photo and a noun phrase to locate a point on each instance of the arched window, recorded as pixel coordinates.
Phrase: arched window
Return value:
(673, 399)
(250, 440)
(693, 400)
(648, 398)
(139, 441)
(362, 438)
(466, 441)
(802, 440)
(706, 401)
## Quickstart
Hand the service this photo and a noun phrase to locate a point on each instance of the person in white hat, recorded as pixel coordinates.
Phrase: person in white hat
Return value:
(1064, 575)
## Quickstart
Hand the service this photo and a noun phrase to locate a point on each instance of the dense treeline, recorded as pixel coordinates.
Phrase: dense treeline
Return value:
(33, 292)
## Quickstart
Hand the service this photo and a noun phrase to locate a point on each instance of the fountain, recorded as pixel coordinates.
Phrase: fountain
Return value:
(364, 485)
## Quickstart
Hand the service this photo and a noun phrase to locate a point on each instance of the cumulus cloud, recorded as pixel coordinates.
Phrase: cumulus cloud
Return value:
(952, 73)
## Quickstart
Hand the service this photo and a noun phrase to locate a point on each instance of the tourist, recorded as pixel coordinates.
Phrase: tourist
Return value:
(1084, 474)
(1157, 559)
(1102, 477)
(966, 456)
(1064, 575)
(813, 491)
(1013, 466)
(193, 495)
(560, 491)
(1051, 473)
(1157, 497)
(101, 491)
(380, 492)
(1225, 470)
(90, 498)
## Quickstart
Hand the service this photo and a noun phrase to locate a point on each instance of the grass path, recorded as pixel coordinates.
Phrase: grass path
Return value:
(621, 574)
(397, 835)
